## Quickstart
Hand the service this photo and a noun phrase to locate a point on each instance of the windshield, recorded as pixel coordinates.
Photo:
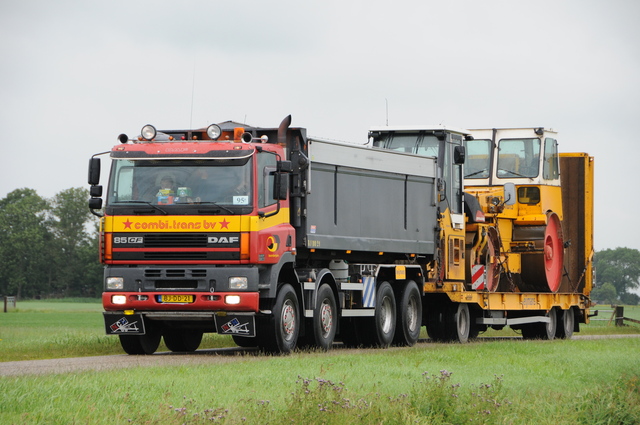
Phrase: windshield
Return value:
(180, 182)
(518, 158)
(477, 164)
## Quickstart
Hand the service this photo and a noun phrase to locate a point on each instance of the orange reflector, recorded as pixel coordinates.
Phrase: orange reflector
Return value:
(108, 246)
(244, 246)
(237, 133)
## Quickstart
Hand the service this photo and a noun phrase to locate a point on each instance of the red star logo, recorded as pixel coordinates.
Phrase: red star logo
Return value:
(224, 224)
(127, 224)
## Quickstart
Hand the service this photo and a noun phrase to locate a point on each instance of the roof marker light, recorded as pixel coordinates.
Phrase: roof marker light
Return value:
(148, 132)
(214, 132)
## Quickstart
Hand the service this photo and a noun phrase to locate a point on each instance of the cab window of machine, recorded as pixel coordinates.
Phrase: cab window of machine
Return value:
(478, 159)
(428, 145)
(266, 179)
(518, 158)
(398, 142)
(551, 167)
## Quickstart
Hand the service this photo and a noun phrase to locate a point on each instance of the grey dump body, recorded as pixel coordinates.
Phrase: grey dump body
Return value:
(375, 203)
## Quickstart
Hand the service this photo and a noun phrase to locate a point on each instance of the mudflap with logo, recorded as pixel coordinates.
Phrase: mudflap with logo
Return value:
(236, 324)
(123, 324)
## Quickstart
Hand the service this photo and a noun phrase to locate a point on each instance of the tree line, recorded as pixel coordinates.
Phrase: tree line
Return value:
(49, 248)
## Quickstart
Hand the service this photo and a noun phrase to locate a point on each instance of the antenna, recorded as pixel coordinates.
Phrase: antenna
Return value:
(193, 89)
(387, 110)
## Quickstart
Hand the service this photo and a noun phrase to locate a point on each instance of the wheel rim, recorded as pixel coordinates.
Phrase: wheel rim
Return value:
(385, 316)
(463, 321)
(288, 320)
(412, 314)
(326, 318)
(553, 252)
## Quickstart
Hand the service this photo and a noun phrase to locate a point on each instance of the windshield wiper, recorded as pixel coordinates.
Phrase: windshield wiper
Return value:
(217, 205)
(476, 173)
(146, 203)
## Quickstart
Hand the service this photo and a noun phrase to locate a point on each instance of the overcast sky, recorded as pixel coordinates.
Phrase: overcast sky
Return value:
(76, 74)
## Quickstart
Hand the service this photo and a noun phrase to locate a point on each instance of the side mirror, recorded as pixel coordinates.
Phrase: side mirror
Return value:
(459, 154)
(95, 191)
(280, 186)
(94, 171)
(509, 193)
(95, 203)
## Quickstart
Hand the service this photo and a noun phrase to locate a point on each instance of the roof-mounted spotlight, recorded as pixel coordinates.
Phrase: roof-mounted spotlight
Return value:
(148, 132)
(214, 132)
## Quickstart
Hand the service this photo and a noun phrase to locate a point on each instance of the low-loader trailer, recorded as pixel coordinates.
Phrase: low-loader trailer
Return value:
(283, 240)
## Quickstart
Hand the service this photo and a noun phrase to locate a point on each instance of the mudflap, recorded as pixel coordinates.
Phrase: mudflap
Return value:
(238, 325)
(124, 324)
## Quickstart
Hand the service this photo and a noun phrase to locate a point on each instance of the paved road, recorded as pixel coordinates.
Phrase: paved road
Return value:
(208, 356)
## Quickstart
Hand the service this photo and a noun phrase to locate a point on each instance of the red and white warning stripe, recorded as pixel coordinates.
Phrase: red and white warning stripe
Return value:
(477, 277)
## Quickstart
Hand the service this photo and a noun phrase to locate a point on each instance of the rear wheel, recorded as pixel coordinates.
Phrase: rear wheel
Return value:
(566, 324)
(409, 315)
(381, 329)
(141, 344)
(459, 322)
(541, 330)
(325, 318)
(182, 340)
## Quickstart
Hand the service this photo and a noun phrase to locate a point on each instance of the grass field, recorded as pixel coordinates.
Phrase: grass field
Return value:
(491, 381)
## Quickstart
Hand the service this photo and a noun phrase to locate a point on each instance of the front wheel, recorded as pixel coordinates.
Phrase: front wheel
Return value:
(141, 344)
(182, 340)
(279, 333)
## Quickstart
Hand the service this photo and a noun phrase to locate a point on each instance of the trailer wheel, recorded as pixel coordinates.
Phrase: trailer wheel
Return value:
(141, 344)
(566, 324)
(181, 340)
(462, 321)
(279, 333)
(324, 318)
(409, 315)
(541, 330)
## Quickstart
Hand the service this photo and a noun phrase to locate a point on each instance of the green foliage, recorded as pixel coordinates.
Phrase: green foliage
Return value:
(49, 247)
(620, 267)
(605, 294)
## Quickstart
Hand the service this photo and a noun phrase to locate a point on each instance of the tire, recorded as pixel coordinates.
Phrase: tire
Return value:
(182, 340)
(435, 321)
(141, 344)
(279, 333)
(566, 324)
(460, 322)
(245, 341)
(409, 315)
(381, 330)
(546, 331)
(325, 318)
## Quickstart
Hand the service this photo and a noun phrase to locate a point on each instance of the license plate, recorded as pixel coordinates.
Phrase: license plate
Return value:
(176, 299)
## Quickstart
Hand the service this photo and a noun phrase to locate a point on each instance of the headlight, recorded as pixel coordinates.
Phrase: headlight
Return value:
(238, 282)
(119, 299)
(115, 283)
(232, 299)
(148, 132)
(213, 131)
